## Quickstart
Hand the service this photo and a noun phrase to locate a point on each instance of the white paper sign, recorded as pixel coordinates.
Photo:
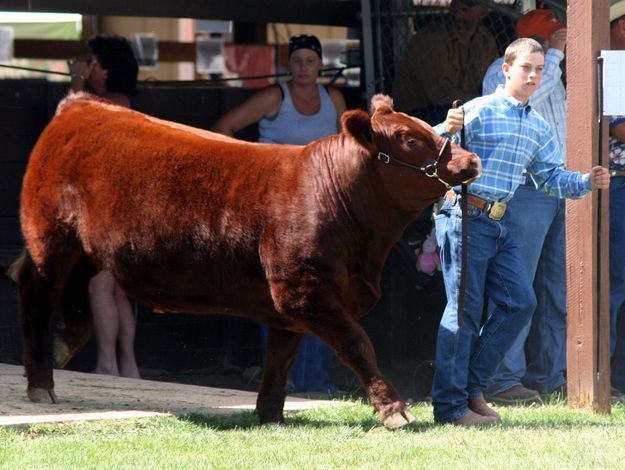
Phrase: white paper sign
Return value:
(613, 83)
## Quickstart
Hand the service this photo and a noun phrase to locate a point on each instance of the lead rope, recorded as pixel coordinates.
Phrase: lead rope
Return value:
(464, 237)
(599, 222)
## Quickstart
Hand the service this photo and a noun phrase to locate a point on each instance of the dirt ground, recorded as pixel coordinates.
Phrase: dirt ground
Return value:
(84, 396)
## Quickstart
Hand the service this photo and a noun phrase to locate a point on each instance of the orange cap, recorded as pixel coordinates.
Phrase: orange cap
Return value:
(539, 22)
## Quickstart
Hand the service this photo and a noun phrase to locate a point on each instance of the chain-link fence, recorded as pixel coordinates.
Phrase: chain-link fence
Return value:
(430, 52)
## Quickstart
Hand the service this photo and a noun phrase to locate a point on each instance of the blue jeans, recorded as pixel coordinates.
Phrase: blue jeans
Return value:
(617, 280)
(537, 358)
(467, 355)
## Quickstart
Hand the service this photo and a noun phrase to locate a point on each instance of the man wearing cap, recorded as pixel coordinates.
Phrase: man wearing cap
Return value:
(536, 362)
(444, 61)
(617, 216)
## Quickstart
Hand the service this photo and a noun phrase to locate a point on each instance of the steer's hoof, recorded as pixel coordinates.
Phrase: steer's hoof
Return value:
(398, 419)
(61, 353)
(41, 395)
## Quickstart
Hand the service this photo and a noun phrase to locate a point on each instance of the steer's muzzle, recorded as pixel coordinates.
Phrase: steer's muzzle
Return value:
(462, 167)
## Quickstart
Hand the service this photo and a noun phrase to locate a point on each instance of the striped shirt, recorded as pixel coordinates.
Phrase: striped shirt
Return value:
(511, 137)
(549, 99)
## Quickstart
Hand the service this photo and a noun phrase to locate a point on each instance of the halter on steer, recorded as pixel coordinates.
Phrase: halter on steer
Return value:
(430, 170)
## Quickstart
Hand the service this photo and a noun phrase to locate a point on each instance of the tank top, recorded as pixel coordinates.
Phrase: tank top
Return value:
(291, 127)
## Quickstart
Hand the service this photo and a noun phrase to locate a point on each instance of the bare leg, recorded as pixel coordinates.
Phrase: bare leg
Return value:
(126, 360)
(106, 321)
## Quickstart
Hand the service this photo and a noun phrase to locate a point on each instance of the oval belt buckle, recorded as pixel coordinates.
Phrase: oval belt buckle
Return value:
(497, 210)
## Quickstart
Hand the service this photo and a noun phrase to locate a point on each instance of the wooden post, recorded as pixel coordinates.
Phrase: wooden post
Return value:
(587, 222)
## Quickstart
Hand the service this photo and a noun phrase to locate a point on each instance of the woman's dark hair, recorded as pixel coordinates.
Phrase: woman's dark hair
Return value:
(115, 55)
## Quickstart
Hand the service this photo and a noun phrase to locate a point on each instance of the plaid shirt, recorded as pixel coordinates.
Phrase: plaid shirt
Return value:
(549, 99)
(511, 137)
(617, 148)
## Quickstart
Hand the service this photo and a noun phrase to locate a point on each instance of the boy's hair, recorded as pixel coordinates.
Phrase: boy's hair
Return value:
(520, 46)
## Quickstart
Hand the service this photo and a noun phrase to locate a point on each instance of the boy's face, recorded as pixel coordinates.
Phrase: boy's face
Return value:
(523, 76)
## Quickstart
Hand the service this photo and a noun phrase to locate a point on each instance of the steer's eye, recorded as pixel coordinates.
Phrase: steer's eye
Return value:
(411, 142)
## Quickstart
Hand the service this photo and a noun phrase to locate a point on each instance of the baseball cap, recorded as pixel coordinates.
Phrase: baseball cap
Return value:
(617, 9)
(541, 22)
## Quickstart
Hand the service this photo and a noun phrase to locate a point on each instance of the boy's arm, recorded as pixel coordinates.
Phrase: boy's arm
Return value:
(547, 172)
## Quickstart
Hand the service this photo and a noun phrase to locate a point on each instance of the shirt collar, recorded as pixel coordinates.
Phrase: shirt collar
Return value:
(511, 101)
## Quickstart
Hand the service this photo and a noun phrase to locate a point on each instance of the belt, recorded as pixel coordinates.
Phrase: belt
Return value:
(617, 172)
(494, 210)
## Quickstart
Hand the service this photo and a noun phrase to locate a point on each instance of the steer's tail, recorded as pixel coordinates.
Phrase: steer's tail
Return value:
(76, 326)
(16, 266)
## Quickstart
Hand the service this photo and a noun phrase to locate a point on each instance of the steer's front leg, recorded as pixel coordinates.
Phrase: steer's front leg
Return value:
(281, 351)
(353, 346)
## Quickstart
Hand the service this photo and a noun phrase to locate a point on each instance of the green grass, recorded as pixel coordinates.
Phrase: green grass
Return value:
(545, 437)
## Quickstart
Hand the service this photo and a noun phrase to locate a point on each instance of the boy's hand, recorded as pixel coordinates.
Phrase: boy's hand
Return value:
(455, 120)
(599, 178)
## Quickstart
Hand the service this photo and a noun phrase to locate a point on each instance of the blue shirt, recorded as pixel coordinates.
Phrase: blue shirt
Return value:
(549, 99)
(511, 137)
(617, 148)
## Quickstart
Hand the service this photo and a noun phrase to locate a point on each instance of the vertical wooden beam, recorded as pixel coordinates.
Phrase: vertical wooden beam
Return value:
(587, 223)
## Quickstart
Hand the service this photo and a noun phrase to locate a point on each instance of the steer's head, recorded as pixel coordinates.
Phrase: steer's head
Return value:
(416, 164)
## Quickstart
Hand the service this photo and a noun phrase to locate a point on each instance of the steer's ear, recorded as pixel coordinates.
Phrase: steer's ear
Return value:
(382, 104)
(358, 124)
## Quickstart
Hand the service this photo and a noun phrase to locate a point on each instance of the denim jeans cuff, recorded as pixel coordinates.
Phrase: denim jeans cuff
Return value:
(452, 417)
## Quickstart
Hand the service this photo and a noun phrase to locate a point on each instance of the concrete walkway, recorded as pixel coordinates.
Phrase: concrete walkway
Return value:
(85, 396)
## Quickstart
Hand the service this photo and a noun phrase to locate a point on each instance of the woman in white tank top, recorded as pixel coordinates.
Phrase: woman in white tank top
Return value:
(296, 112)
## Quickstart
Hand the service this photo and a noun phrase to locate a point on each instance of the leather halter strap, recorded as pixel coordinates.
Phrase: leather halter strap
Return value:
(430, 170)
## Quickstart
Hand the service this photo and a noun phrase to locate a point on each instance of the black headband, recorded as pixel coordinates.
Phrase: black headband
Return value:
(305, 41)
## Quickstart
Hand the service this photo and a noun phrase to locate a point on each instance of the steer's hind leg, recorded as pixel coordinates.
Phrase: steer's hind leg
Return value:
(39, 289)
(353, 346)
(281, 350)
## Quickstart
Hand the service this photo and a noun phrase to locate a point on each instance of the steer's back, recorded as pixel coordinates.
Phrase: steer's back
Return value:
(173, 211)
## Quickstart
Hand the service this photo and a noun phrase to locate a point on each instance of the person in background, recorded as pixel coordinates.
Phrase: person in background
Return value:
(617, 218)
(296, 112)
(444, 61)
(510, 138)
(536, 361)
(110, 71)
